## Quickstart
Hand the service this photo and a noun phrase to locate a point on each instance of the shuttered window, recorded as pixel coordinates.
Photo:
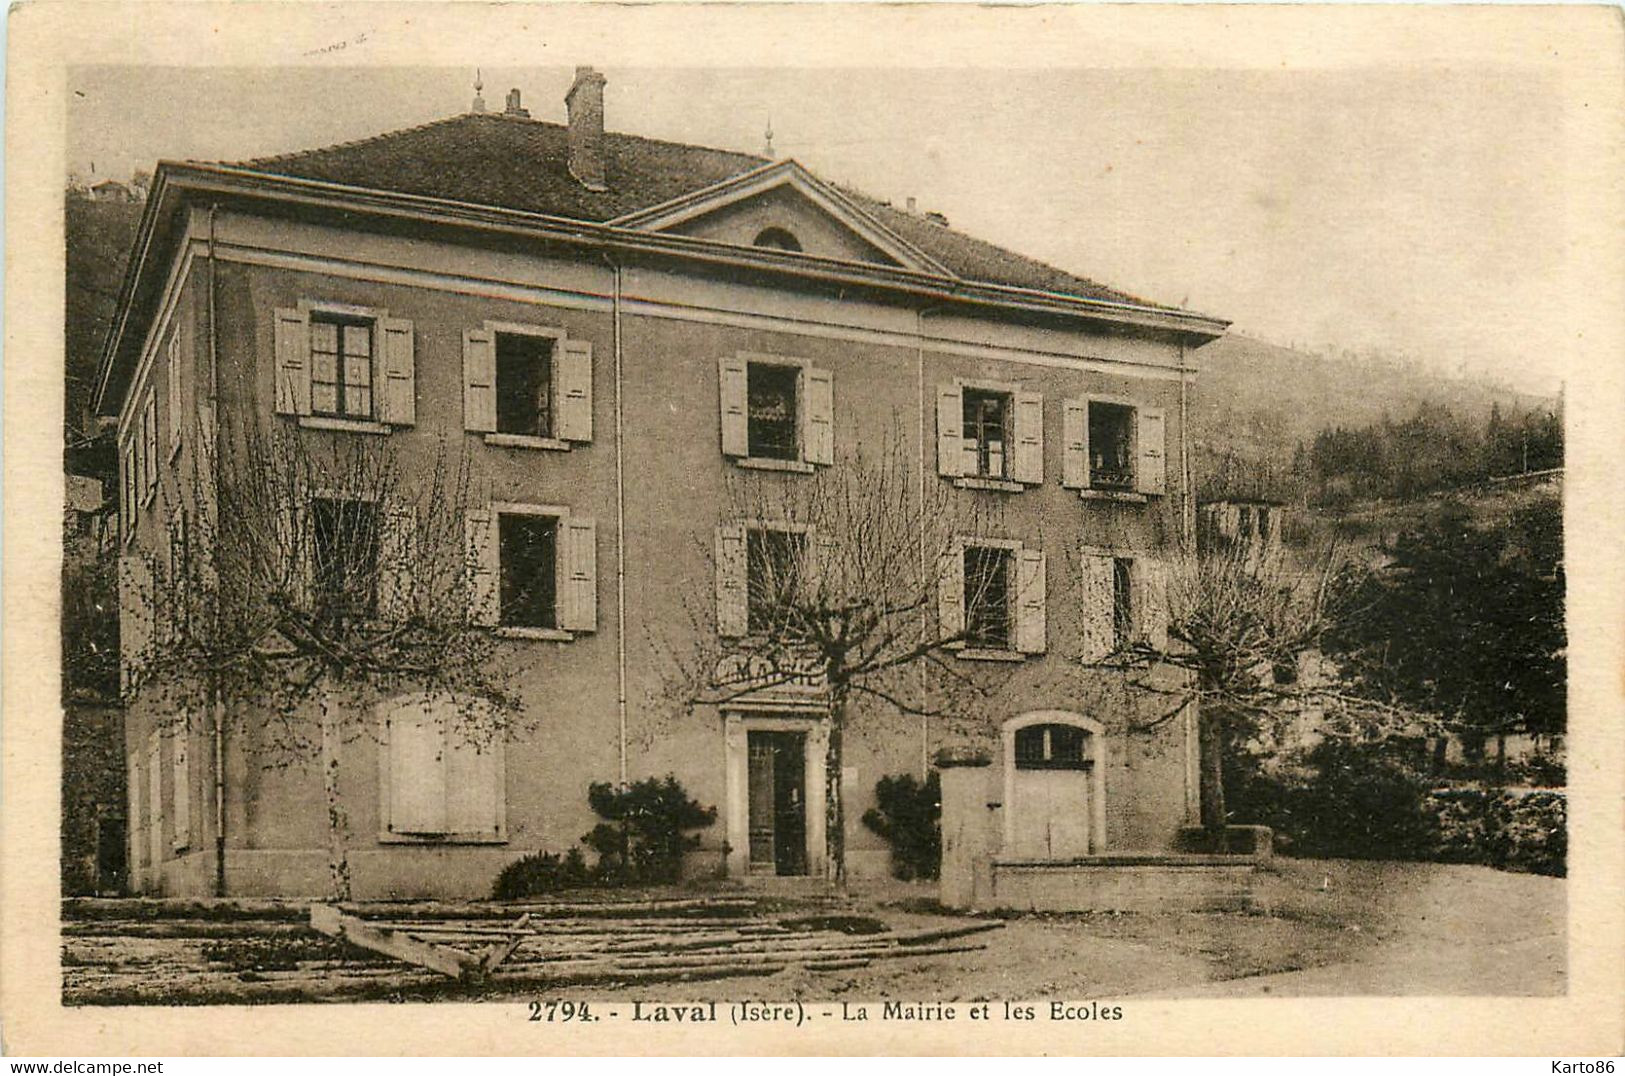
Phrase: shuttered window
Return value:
(443, 775)
(775, 409)
(345, 363)
(992, 595)
(527, 385)
(1113, 446)
(532, 569)
(990, 431)
(1123, 604)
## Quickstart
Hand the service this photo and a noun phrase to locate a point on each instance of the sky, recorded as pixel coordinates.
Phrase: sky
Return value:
(1414, 209)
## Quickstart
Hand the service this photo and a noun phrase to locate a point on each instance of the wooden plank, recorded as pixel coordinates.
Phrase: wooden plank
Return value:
(502, 950)
(447, 961)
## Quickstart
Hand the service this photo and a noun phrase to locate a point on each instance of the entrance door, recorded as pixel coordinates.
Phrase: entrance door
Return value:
(778, 802)
(1051, 811)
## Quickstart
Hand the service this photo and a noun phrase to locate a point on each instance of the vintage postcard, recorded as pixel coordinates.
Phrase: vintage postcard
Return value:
(813, 528)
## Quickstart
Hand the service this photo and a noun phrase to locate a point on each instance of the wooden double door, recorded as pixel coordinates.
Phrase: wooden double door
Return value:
(777, 780)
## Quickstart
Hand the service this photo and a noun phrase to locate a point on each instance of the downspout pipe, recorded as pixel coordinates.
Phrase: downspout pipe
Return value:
(620, 516)
(217, 705)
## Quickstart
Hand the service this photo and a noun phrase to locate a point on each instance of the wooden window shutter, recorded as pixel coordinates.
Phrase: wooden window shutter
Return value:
(1029, 459)
(479, 380)
(417, 773)
(133, 801)
(732, 610)
(819, 438)
(155, 799)
(951, 593)
(295, 558)
(398, 405)
(173, 384)
(397, 556)
(1031, 602)
(1150, 435)
(475, 792)
(292, 343)
(1095, 617)
(819, 574)
(733, 379)
(1075, 451)
(181, 796)
(950, 430)
(1151, 602)
(149, 443)
(482, 563)
(578, 609)
(575, 390)
(135, 617)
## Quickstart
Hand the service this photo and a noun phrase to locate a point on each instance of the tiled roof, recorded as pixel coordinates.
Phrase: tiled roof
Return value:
(517, 163)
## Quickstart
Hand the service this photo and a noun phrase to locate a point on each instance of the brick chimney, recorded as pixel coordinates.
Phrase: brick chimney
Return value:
(513, 108)
(585, 105)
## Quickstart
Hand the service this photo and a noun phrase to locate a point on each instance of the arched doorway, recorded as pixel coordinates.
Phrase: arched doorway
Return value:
(1054, 786)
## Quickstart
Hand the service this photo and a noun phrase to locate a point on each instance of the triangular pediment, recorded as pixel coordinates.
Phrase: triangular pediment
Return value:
(766, 205)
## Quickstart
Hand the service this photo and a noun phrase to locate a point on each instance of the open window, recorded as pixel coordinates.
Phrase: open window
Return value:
(344, 561)
(529, 560)
(527, 386)
(1123, 603)
(524, 384)
(1114, 448)
(774, 561)
(988, 608)
(990, 435)
(991, 599)
(532, 570)
(777, 412)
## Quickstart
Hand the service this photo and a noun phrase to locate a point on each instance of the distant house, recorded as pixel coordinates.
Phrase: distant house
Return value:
(1254, 526)
(111, 190)
(612, 326)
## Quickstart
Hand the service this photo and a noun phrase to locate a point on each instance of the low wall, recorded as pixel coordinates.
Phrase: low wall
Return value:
(1146, 883)
(976, 873)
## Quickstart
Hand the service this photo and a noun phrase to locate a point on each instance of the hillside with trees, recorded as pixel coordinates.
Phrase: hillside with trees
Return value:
(1278, 424)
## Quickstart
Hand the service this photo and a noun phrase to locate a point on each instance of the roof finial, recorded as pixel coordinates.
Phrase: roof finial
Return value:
(479, 102)
(767, 149)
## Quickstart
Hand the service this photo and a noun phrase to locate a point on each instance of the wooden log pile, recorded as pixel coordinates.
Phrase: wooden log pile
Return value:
(436, 949)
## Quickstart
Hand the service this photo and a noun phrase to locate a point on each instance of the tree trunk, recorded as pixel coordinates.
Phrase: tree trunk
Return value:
(834, 808)
(338, 855)
(1210, 741)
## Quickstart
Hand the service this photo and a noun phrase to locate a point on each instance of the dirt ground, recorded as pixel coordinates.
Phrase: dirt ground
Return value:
(1324, 928)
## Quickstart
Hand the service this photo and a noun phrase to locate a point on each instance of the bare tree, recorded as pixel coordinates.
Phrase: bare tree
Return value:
(1231, 625)
(306, 576)
(847, 583)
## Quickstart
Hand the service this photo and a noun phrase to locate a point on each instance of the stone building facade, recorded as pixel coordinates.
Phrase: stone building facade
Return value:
(611, 326)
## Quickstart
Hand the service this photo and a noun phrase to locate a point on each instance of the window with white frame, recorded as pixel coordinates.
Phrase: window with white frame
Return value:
(761, 569)
(442, 776)
(776, 411)
(992, 598)
(532, 570)
(344, 366)
(1123, 603)
(527, 386)
(1114, 448)
(341, 366)
(990, 434)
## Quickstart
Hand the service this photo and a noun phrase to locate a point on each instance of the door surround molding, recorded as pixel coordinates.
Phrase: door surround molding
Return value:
(737, 724)
(1096, 757)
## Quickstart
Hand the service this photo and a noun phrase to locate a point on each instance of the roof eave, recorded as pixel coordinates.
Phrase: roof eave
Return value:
(173, 180)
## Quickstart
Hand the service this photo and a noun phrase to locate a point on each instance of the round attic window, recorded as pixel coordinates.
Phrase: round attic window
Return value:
(777, 239)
